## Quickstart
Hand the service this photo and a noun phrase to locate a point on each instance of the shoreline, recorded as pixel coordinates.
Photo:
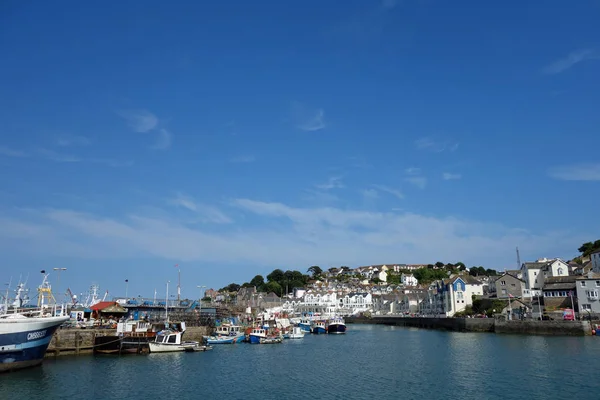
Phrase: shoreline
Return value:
(487, 325)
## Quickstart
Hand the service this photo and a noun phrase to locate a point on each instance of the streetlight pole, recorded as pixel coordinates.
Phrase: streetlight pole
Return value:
(58, 278)
(200, 312)
(126, 287)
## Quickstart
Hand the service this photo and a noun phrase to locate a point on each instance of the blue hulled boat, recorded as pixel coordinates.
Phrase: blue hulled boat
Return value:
(319, 327)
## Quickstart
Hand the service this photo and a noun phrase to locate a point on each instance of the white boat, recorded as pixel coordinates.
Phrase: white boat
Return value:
(168, 341)
(26, 333)
(296, 333)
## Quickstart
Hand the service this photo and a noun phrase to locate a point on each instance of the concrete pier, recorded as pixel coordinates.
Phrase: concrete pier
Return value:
(81, 341)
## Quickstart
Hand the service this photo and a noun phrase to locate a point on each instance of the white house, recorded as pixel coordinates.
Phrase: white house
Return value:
(595, 258)
(408, 280)
(555, 267)
(458, 293)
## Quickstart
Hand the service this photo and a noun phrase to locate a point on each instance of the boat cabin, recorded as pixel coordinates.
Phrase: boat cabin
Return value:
(168, 337)
(229, 330)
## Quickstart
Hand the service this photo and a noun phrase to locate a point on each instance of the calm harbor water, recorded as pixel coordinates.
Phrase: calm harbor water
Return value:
(368, 362)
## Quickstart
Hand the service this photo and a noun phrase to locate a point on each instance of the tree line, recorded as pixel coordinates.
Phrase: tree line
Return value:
(278, 282)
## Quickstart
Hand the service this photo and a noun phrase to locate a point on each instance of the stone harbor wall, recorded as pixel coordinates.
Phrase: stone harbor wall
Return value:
(556, 328)
(527, 327)
(81, 341)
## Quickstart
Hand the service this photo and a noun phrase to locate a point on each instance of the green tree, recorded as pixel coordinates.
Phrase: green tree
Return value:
(272, 286)
(439, 264)
(232, 287)
(276, 276)
(393, 279)
(588, 248)
(315, 271)
(257, 281)
(460, 266)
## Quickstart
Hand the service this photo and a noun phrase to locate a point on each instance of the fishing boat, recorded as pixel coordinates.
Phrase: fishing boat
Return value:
(319, 327)
(26, 333)
(336, 325)
(223, 339)
(296, 333)
(305, 324)
(271, 340)
(170, 340)
(256, 334)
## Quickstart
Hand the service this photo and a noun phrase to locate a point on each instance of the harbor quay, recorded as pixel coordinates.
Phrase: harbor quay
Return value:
(491, 325)
(73, 341)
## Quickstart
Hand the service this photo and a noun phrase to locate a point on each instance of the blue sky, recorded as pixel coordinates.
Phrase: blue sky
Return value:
(238, 137)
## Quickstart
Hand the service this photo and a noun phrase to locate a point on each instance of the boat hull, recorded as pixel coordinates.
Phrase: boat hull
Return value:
(304, 327)
(23, 342)
(336, 329)
(255, 339)
(223, 339)
(319, 330)
(171, 348)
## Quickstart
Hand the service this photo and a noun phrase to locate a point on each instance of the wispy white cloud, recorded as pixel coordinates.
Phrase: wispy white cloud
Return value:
(412, 171)
(414, 177)
(436, 146)
(287, 235)
(576, 172)
(571, 60)
(58, 157)
(307, 119)
(8, 152)
(243, 159)
(449, 176)
(418, 181)
(140, 120)
(389, 190)
(72, 140)
(334, 182)
(206, 212)
(163, 140)
(370, 194)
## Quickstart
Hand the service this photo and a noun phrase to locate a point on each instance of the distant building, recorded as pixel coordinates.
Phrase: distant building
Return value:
(508, 285)
(595, 258)
(588, 288)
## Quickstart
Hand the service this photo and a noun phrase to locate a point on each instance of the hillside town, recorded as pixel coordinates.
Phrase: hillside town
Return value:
(540, 289)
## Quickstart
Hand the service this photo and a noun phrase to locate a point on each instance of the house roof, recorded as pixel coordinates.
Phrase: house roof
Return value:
(468, 279)
(590, 276)
(534, 265)
(511, 275)
(560, 283)
(108, 307)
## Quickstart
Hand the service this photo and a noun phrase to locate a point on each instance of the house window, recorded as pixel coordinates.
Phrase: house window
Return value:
(512, 284)
(592, 294)
(586, 307)
(582, 283)
(503, 291)
(503, 283)
(563, 294)
(535, 274)
(597, 283)
(560, 271)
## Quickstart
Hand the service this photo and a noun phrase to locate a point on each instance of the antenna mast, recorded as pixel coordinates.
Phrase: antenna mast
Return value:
(518, 259)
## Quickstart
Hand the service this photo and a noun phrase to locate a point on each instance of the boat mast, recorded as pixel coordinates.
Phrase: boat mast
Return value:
(167, 304)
